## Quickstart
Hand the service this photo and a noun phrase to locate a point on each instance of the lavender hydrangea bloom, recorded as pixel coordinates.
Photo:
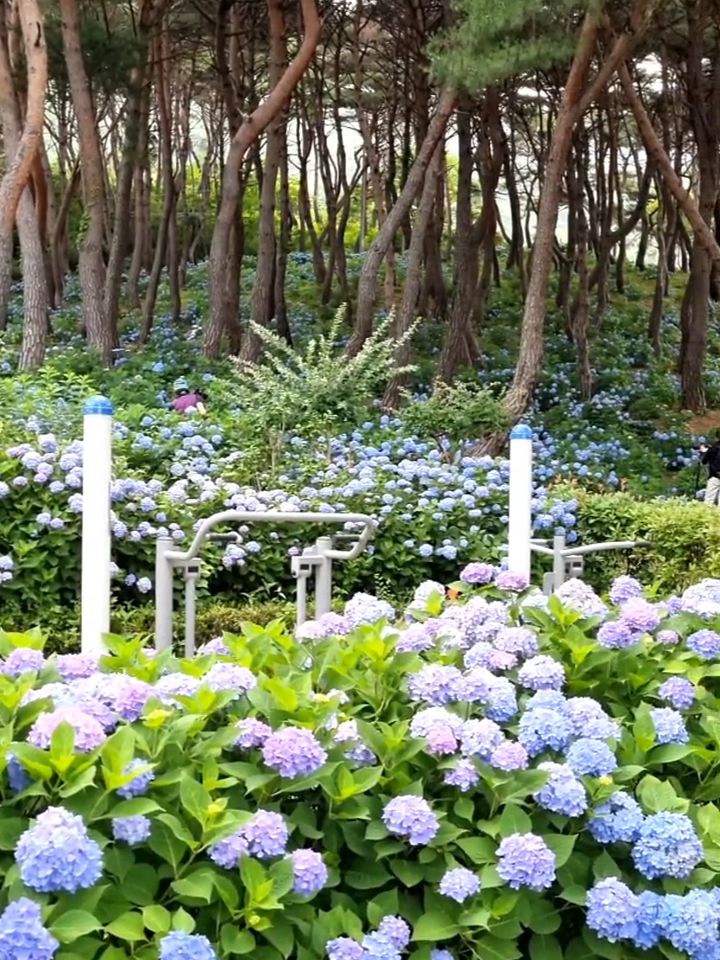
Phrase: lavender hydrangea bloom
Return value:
(578, 596)
(436, 684)
(459, 884)
(669, 726)
(416, 638)
(618, 820)
(179, 945)
(612, 910)
(132, 830)
(251, 733)
(617, 635)
(678, 691)
(376, 946)
(215, 646)
(667, 846)
(138, 786)
(363, 608)
(441, 741)
(57, 854)
(131, 699)
(542, 673)
(412, 817)
(502, 705)
(229, 676)
(480, 737)
(344, 948)
(563, 792)
(310, 872)
(591, 758)
(174, 685)
(667, 637)
(227, 853)
(293, 752)
(426, 590)
(625, 588)
(542, 729)
(478, 574)
(89, 734)
(640, 615)
(509, 756)
(76, 666)
(329, 624)
(441, 955)
(512, 580)
(588, 719)
(396, 930)
(266, 835)
(22, 934)
(22, 660)
(463, 775)
(702, 598)
(525, 860)
(705, 643)
(518, 640)
(425, 720)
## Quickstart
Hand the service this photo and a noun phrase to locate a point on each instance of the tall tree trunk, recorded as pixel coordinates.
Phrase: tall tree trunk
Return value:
(367, 286)
(92, 265)
(249, 131)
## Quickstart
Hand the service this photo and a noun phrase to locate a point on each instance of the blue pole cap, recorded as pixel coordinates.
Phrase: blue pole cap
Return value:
(521, 431)
(98, 406)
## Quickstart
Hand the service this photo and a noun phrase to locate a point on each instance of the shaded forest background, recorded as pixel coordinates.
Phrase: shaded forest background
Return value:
(458, 144)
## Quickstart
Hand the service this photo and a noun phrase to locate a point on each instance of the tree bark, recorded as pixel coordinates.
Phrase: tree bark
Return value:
(251, 128)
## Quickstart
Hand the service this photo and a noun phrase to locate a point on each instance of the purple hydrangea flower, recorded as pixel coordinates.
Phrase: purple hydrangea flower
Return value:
(625, 588)
(131, 699)
(667, 846)
(138, 786)
(328, 625)
(525, 860)
(441, 741)
(679, 692)
(667, 638)
(588, 719)
(436, 684)
(179, 945)
(542, 673)
(251, 733)
(518, 640)
(591, 758)
(612, 910)
(463, 775)
(478, 574)
(89, 734)
(426, 590)
(416, 638)
(639, 615)
(293, 752)
(376, 946)
(480, 737)
(705, 643)
(132, 830)
(174, 685)
(563, 793)
(344, 948)
(542, 729)
(310, 872)
(57, 854)
(22, 660)
(22, 934)
(650, 920)
(512, 581)
(227, 853)
(215, 646)
(412, 817)
(509, 756)
(396, 930)
(669, 726)
(580, 597)
(76, 666)
(266, 835)
(459, 884)
(18, 777)
(363, 608)
(229, 676)
(617, 635)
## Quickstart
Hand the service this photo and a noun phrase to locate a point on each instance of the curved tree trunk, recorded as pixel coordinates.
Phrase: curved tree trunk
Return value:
(249, 131)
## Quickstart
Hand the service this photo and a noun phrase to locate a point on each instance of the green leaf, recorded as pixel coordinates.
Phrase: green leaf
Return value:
(435, 926)
(544, 917)
(604, 866)
(281, 936)
(183, 921)
(575, 894)
(658, 796)
(480, 850)
(195, 799)
(490, 947)
(514, 820)
(545, 948)
(129, 926)
(198, 886)
(10, 830)
(253, 876)
(409, 872)
(236, 941)
(73, 924)
(156, 918)
(167, 845)
(561, 845)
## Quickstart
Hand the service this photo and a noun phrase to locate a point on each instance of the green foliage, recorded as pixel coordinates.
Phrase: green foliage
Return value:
(456, 414)
(491, 42)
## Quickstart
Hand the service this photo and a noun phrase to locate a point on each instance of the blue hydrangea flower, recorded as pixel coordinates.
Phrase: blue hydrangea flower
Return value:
(441, 955)
(396, 930)
(617, 821)
(412, 817)
(132, 830)
(669, 726)
(616, 635)
(22, 660)
(542, 729)
(525, 860)
(459, 884)
(309, 871)
(22, 934)
(227, 853)
(705, 643)
(591, 758)
(376, 946)
(57, 854)
(293, 752)
(251, 733)
(138, 786)
(463, 775)
(678, 691)
(563, 792)
(179, 945)
(624, 588)
(667, 846)
(480, 737)
(612, 910)
(690, 923)
(436, 684)
(542, 673)
(18, 777)
(344, 948)
(649, 928)
(230, 676)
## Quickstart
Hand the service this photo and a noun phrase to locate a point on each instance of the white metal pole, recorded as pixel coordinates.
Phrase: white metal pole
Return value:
(520, 496)
(97, 479)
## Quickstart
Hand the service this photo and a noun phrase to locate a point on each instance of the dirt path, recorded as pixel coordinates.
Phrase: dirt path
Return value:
(706, 425)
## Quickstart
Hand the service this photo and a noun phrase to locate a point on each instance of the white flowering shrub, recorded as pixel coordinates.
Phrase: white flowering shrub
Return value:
(492, 775)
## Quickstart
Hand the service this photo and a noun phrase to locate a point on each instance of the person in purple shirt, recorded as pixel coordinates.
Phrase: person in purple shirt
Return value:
(187, 400)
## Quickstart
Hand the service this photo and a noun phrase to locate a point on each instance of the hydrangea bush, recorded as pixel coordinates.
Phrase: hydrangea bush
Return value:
(496, 775)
